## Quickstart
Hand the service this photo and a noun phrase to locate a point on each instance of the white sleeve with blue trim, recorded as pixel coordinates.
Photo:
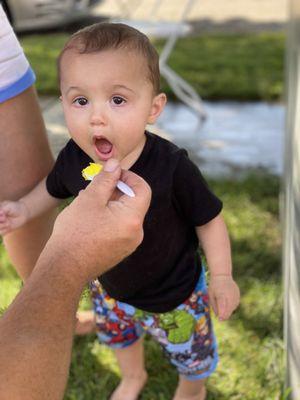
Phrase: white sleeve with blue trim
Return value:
(16, 74)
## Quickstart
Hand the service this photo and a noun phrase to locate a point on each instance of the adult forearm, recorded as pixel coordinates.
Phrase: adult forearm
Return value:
(37, 329)
(45, 310)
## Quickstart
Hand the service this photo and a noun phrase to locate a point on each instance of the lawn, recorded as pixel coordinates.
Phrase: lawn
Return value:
(237, 67)
(250, 344)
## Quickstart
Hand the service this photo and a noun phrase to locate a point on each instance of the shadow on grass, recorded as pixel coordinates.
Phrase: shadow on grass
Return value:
(258, 273)
(256, 260)
(260, 324)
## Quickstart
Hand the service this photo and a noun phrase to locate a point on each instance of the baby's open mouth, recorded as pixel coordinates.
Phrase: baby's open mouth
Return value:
(103, 148)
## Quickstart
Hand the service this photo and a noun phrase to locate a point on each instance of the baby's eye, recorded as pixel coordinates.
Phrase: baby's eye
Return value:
(117, 100)
(82, 101)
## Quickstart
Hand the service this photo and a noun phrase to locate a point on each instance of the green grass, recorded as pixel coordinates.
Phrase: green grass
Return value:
(42, 51)
(250, 344)
(237, 67)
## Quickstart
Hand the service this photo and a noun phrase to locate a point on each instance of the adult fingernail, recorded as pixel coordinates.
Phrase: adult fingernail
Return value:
(111, 165)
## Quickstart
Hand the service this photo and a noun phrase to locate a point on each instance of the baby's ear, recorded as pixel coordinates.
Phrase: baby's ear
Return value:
(158, 104)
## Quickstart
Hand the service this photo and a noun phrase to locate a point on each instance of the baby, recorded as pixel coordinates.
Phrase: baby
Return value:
(109, 79)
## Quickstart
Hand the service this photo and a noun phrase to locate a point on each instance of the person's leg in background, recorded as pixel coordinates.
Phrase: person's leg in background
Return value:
(25, 156)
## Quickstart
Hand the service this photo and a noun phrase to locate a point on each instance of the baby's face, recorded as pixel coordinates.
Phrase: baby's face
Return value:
(107, 101)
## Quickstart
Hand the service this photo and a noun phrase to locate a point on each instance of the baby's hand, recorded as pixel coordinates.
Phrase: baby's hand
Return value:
(224, 295)
(13, 214)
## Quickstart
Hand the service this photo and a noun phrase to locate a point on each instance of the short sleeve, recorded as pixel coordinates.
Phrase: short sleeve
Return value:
(195, 201)
(55, 180)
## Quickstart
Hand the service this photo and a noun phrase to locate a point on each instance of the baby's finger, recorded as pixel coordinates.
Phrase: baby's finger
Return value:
(222, 307)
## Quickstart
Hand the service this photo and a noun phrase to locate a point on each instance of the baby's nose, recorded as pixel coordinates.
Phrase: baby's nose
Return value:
(98, 117)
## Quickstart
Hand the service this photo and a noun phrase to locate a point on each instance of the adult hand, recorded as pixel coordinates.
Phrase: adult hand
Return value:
(102, 226)
(95, 232)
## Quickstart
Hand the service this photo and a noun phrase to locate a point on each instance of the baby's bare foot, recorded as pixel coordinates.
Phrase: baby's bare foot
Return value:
(130, 387)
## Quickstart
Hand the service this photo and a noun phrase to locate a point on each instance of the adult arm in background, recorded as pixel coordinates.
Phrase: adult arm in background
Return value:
(25, 156)
(91, 235)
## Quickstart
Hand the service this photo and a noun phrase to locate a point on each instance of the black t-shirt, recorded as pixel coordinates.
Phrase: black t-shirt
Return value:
(164, 269)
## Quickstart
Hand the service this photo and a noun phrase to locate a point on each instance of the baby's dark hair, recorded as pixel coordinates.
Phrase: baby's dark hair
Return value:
(105, 36)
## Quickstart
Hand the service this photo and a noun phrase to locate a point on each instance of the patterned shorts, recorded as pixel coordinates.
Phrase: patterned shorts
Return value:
(185, 333)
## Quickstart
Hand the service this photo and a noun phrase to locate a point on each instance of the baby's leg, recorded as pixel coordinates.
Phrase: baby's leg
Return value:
(117, 329)
(190, 390)
(134, 375)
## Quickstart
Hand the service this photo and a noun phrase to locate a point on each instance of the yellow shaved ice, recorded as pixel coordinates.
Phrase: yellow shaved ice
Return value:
(91, 171)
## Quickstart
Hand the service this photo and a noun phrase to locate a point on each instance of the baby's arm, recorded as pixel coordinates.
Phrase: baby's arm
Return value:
(14, 214)
(223, 291)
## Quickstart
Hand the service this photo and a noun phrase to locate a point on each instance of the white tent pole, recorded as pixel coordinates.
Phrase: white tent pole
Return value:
(291, 207)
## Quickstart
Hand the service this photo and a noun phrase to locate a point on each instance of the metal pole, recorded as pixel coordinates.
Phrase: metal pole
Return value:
(291, 207)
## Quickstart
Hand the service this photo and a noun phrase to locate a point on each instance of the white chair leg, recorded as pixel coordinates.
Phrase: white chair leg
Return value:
(184, 91)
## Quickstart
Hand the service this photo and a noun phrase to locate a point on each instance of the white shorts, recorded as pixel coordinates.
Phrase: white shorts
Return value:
(16, 74)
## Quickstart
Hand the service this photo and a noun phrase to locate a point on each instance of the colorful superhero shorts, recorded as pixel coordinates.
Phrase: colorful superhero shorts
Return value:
(185, 333)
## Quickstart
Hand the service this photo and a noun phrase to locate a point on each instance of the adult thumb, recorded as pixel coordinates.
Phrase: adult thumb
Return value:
(111, 165)
(105, 183)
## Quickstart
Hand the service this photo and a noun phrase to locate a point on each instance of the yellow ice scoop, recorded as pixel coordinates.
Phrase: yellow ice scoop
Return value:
(93, 169)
